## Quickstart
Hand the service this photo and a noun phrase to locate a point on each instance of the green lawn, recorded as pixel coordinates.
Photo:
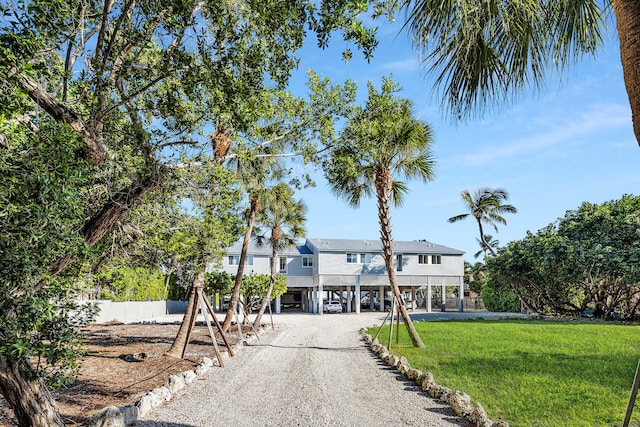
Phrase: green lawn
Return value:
(532, 373)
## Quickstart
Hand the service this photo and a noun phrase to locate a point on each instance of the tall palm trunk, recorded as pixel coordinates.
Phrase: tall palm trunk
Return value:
(628, 23)
(254, 204)
(179, 346)
(485, 244)
(31, 401)
(272, 281)
(383, 192)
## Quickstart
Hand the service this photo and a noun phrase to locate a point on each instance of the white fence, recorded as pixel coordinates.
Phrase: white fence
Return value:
(135, 311)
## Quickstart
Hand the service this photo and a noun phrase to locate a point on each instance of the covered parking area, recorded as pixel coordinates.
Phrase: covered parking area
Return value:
(372, 292)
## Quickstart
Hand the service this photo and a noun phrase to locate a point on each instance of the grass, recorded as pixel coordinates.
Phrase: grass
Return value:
(531, 373)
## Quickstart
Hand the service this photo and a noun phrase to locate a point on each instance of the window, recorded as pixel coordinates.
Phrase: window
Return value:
(352, 258)
(235, 260)
(423, 259)
(307, 261)
(365, 258)
(283, 264)
(436, 259)
(398, 262)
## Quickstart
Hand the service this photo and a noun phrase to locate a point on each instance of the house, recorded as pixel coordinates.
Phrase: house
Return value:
(353, 272)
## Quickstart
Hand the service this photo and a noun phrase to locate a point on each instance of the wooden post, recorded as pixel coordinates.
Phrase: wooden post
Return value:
(238, 325)
(397, 321)
(215, 320)
(393, 306)
(381, 326)
(211, 334)
(632, 398)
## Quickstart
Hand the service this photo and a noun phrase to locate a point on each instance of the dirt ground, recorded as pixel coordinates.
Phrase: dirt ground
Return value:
(108, 377)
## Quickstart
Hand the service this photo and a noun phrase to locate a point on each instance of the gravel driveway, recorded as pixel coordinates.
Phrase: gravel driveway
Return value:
(311, 371)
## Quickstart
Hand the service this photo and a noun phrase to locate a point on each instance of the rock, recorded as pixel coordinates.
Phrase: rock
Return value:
(427, 381)
(207, 361)
(147, 402)
(175, 383)
(461, 404)
(480, 417)
(114, 416)
(413, 374)
(500, 424)
(162, 392)
(403, 360)
(201, 370)
(189, 376)
(393, 360)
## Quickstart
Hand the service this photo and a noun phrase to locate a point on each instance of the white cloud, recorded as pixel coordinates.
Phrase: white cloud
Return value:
(555, 130)
(408, 65)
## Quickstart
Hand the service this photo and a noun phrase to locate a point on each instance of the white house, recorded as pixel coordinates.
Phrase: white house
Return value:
(353, 272)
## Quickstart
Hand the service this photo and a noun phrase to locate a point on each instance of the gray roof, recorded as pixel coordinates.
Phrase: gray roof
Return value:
(346, 245)
(254, 249)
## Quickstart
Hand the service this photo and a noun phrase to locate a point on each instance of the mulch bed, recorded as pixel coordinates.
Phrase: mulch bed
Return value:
(109, 376)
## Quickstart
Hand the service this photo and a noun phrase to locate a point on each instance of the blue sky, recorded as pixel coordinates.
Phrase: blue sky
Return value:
(569, 143)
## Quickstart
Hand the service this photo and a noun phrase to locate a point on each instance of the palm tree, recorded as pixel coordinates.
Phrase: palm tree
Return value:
(381, 142)
(485, 51)
(253, 173)
(485, 206)
(280, 223)
(491, 243)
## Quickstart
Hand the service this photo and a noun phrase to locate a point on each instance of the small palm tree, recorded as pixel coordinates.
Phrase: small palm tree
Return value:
(253, 172)
(279, 223)
(491, 242)
(486, 207)
(382, 142)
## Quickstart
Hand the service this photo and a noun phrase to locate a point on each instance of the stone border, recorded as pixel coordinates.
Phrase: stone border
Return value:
(123, 416)
(461, 403)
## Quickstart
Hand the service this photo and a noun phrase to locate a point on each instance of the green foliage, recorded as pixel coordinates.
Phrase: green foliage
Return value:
(532, 374)
(258, 284)
(219, 282)
(45, 330)
(588, 259)
(483, 53)
(500, 298)
(123, 283)
(381, 138)
(41, 210)
(255, 287)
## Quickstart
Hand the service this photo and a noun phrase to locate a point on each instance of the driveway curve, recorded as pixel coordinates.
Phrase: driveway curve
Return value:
(310, 371)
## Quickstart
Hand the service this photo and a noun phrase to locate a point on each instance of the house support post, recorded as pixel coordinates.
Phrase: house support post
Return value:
(320, 298)
(349, 298)
(357, 298)
(429, 298)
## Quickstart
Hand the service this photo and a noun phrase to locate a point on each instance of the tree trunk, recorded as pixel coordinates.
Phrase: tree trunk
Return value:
(235, 292)
(267, 297)
(31, 401)
(118, 205)
(383, 192)
(485, 244)
(628, 24)
(94, 145)
(179, 346)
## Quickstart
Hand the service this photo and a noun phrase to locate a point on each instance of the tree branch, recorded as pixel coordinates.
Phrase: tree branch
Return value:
(94, 146)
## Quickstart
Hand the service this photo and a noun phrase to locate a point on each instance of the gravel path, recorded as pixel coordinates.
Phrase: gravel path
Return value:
(311, 371)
